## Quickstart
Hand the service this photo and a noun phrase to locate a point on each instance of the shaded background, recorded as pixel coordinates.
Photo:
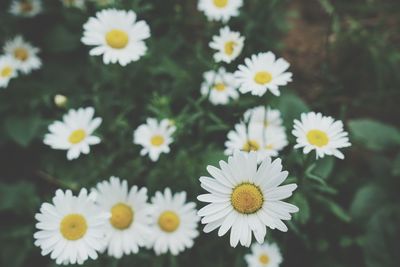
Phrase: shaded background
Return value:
(346, 62)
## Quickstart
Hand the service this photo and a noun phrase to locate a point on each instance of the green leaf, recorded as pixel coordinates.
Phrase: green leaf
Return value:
(382, 237)
(337, 210)
(324, 167)
(374, 135)
(22, 129)
(366, 202)
(304, 208)
(396, 166)
(20, 198)
(291, 106)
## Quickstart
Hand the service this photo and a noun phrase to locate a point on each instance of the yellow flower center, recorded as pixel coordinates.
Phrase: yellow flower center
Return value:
(220, 87)
(77, 136)
(169, 221)
(21, 54)
(247, 198)
(230, 47)
(117, 39)
(220, 3)
(251, 145)
(317, 138)
(264, 259)
(262, 77)
(6, 72)
(73, 226)
(157, 140)
(26, 6)
(121, 216)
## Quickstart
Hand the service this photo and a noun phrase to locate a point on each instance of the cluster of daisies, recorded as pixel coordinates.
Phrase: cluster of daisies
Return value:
(19, 57)
(242, 197)
(116, 219)
(75, 134)
(259, 73)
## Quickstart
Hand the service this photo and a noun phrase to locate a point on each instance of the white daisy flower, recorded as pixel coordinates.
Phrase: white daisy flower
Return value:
(74, 3)
(265, 255)
(8, 70)
(220, 86)
(23, 53)
(221, 10)
(26, 8)
(245, 198)
(275, 140)
(128, 228)
(174, 222)
(116, 35)
(246, 138)
(320, 133)
(74, 133)
(229, 45)
(154, 137)
(71, 229)
(266, 116)
(262, 72)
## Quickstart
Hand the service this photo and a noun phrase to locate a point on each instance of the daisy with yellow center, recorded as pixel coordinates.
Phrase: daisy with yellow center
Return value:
(228, 45)
(155, 137)
(8, 70)
(128, 228)
(26, 8)
(71, 228)
(246, 138)
(220, 10)
(220, 86)
(24, 54)
(174, 222)
(116, 35)
(263, 72)
(246, 199)
(74, 133)
(265, 255)
(320, 133)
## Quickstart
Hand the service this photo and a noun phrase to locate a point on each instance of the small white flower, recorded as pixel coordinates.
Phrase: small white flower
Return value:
(174, 222)
(8, 70)
(265, 255)
(74, 133)
(116, 35)
(23, 53)
(229, 45)
(74, 3)
(320, 133)
(220, 86)
(262, 72)
(154, 137)
(26, 8)
(245, 198)
(266, 116)
(275, 140)
(71, 229)
(221, 10)
(128, 228)
(60, 100)
(246, 138)
(255, 137)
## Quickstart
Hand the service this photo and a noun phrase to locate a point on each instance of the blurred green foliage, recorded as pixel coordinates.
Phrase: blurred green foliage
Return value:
(349, 210)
